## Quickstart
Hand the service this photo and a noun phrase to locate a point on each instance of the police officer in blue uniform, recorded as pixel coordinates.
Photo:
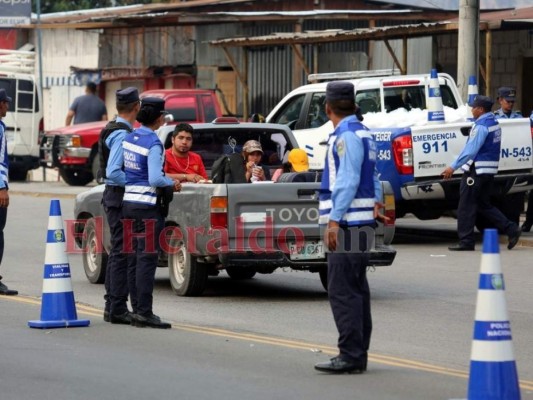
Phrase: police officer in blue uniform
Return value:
(514, 202)
(5, 100)
(118, 275)
(143, 166)
(479, 161)
(507, 98)
(348, 204)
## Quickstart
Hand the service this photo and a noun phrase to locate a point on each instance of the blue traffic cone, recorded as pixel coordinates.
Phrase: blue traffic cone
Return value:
(58, 309)
(493, 374)
(472, 92)
(434, 100)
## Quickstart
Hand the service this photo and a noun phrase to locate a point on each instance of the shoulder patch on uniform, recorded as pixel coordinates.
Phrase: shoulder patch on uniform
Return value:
(473, 132)
(341, 147)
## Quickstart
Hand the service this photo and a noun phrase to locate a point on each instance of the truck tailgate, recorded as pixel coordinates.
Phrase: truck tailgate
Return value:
(264, 216)
(436, 146)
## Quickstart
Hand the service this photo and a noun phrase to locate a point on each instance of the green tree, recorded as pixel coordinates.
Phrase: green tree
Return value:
(52, 6)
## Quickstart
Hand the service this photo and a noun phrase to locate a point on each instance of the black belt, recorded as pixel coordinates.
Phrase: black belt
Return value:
(114, 188)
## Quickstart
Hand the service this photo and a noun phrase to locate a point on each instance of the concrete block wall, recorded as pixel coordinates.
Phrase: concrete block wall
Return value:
(508, 50)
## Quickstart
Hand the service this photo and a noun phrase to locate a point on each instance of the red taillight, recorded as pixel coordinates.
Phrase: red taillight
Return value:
(402, 83)
(402, 149)
(219, 212)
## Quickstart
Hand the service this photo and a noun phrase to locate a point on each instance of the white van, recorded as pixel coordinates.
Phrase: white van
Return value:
(24, 119)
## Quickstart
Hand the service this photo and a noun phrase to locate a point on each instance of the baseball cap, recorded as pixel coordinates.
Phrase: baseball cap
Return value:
(482, 101)
(4, 96)
(299, 160)
(507, 93)
(252, 145)
(127, 96)
(340, 90)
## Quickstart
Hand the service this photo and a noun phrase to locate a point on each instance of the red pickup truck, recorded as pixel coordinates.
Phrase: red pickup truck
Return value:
(73, 150)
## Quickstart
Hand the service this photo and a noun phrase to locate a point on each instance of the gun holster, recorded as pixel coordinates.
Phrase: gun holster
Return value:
(164, 197)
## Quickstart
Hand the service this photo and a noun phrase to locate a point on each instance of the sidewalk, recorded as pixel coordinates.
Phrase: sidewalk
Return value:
(46, 183)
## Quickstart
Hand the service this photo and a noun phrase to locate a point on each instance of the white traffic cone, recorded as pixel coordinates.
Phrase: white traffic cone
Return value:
(472, 92)
(493, 374)
(434, 100)
(58, 308)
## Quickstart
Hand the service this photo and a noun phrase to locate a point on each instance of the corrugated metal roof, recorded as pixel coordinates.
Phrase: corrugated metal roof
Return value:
(331, 35)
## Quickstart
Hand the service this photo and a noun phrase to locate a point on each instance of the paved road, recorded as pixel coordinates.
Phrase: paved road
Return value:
(255, 339)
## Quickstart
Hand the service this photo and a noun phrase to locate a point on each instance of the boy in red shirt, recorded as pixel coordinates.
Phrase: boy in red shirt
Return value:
(180, 162)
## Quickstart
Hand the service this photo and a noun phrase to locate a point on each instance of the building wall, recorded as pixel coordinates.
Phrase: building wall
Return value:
(62, 49)
(511, 50)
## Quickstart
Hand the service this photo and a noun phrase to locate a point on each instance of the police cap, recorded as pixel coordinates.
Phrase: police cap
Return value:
(128, 95)
(4, 96)
(507, 93)
(340, 90)
(156, 102)
(482, 101)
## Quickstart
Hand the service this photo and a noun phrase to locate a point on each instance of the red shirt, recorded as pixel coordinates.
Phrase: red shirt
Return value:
(192, 164)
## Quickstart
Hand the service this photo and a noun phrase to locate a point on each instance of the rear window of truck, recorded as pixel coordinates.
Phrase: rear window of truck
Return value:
(25, 98)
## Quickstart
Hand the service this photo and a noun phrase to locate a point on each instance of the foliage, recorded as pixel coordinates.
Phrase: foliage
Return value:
(52, 6)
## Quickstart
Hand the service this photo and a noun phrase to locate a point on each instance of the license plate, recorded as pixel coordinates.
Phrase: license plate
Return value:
(308, 250)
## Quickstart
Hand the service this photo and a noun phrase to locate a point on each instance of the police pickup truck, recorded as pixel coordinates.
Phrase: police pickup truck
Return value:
(243, 228)
(411, 152)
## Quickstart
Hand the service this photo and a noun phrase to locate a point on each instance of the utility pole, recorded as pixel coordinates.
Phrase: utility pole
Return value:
(468, 44)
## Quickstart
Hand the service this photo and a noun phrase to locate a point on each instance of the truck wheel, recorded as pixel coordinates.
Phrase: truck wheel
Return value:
(94, 261)
(240, 273)
(188, 277)
(19, 174)
(323, 273)
(75, 177)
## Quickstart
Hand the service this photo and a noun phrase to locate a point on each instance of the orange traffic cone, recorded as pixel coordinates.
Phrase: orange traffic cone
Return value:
(58, 308)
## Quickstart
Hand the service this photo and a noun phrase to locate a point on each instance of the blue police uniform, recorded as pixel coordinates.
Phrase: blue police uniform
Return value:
(348, 192)
(4, 178)
(120, 272)
(479, 161)
(143, 168)
(500, 114)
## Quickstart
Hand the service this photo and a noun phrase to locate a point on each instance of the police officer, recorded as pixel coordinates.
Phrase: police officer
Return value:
(110, 153)
(5, 100)
(514, 202)
(348, 205)
(143, 167)
(507, 98)
(479, 161)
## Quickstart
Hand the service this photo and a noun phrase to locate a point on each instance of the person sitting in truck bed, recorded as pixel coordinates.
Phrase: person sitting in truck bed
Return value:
(297, 161)
(181, 163)
(241, 167)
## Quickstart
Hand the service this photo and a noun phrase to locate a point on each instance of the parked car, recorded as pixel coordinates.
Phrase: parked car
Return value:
(245, 228)
(73, 150)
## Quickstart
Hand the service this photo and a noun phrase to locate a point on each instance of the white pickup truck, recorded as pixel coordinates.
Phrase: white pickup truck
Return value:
(411, 152)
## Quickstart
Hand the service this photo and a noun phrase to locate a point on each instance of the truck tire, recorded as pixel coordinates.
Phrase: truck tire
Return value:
(240, 273)
(18, 174)
(188, 277)
(94, 261)
(74, 177)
